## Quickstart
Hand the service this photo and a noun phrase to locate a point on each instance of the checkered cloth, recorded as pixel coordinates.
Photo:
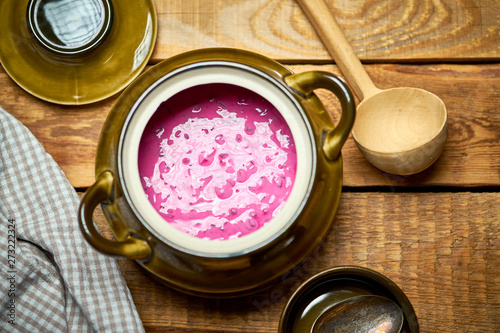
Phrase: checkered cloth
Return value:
(51, 280)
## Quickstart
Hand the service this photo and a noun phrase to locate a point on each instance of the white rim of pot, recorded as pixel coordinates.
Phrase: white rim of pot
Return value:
(213, 73)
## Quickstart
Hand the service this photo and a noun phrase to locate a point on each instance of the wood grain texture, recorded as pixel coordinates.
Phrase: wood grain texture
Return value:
(444, 254)
(471, 157)
(409, 30)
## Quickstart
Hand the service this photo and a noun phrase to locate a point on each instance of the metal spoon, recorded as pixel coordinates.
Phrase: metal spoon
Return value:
(399, 130)
(367, 313)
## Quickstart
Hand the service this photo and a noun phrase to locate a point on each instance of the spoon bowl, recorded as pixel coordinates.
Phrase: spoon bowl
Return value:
(401, 130)
(366, 313)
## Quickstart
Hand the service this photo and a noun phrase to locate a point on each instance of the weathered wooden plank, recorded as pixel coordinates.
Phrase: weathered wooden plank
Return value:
(444, 254)
(409, 30)
(470, 92)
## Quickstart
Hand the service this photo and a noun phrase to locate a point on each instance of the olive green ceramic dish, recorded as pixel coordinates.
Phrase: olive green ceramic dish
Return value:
(220, 268)
(326, 289)
(76, 52)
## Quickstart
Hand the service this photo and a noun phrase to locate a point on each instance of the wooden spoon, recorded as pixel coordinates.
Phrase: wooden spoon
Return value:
(399, 130)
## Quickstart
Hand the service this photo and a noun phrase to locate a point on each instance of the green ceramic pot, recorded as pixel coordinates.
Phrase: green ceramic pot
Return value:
(233, 267)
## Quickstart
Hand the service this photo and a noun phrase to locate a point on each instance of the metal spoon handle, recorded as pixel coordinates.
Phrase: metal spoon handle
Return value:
(339, 47)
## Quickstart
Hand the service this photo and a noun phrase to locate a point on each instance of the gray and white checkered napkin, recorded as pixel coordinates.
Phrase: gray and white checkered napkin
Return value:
(51, 280)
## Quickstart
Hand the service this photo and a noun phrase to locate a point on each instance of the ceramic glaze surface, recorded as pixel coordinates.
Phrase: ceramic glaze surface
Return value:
(68, 24)
(76, 52)
(217, 161)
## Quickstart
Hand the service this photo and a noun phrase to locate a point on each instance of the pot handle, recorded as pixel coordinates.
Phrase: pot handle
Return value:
(102, 190)
(305, 83)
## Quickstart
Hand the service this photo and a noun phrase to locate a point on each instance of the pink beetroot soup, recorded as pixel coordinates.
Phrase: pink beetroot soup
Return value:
(217, 161)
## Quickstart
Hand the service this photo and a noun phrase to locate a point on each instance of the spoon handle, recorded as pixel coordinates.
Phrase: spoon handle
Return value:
(337, 44)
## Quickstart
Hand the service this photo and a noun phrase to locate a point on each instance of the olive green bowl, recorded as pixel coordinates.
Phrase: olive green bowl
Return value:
(322, 291)
(75, 52)
(222, 268)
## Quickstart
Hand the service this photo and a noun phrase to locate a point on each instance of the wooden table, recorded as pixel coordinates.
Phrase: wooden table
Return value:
(436, 234)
